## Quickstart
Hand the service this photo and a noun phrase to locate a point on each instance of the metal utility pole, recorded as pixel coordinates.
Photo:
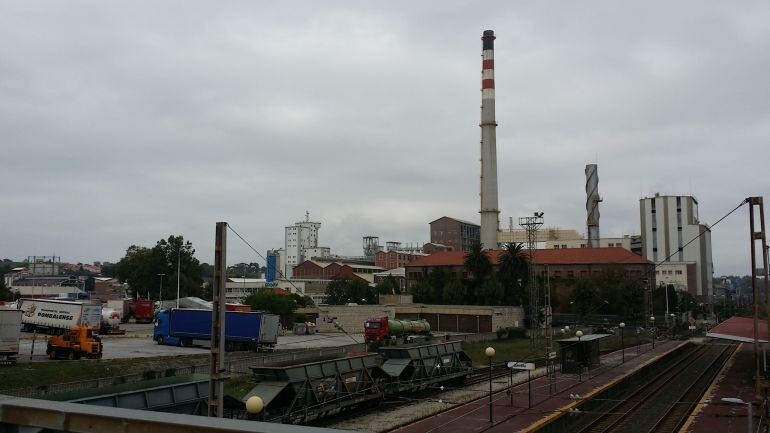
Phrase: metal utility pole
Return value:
(756, 202)
(531, 225)
(217, 371)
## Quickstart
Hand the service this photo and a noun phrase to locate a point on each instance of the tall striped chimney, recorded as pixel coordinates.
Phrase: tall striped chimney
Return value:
(490, 222)
(592, 204)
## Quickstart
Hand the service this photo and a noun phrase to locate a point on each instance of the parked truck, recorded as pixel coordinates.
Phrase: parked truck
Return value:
(10, 333)
(143, 311)
(383, 328)
(80, 341)
(122, 306)
(55, 316)
(111, 320)
(243, 330)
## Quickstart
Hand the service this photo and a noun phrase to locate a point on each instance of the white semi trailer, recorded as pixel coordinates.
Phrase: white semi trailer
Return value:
(10, 332)
(57, 316)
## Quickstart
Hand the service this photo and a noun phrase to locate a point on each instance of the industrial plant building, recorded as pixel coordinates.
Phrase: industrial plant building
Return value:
(668, 222)
(457, 234)
(558, 265)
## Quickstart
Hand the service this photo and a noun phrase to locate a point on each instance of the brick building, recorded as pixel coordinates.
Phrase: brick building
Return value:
(561, 265)
(458, 234)
(312, 270)
(395, 259)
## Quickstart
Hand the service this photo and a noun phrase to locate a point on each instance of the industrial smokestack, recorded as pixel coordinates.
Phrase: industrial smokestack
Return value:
(592, 204)
(490, 222)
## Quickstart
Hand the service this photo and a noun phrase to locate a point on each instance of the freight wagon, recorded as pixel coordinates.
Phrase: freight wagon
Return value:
(243, 331)
(56, 316)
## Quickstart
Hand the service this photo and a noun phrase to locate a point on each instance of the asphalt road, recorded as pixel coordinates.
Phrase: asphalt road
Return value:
(138, 343)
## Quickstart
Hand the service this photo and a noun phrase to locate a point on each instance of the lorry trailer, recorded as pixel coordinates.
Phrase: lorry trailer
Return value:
(10, 333)
(143, 311)
(123, 306)
(191, 327)
(55, 316)
(383, 328)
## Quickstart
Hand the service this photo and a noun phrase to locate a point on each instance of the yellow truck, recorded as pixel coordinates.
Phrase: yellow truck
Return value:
(80, 341)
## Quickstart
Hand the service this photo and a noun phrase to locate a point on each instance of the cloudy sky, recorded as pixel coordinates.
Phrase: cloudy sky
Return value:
(124, 122)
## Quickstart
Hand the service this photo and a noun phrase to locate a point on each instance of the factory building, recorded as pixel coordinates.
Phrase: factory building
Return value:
(457, 234)
(581, 242)
(301, 243)
(314, 270)
(395, 258)
(559, 265)
(669, 222)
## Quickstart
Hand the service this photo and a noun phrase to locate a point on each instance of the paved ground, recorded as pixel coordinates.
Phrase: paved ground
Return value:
(514, 416)
(138, 343)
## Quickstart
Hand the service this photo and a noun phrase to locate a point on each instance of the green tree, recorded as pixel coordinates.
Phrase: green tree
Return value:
(454, 292)
(422, 291)
(5, 292)
(271, 302)
(631, 308)
(388, 286)
(438, 279)
(513, 273)
(173, 257)
(584, 297)
(479, 267)
(491, 292)
(342, 291)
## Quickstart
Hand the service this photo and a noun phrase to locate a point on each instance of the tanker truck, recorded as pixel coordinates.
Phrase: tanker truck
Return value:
(383, 328)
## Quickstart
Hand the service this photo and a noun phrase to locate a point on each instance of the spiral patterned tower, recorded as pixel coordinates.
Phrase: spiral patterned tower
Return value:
(592, 204)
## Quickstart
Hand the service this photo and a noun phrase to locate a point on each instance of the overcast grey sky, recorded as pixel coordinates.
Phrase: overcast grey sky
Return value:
(124, 122)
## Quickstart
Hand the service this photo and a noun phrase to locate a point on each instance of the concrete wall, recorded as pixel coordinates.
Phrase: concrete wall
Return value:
(350, 318)
(442, 318)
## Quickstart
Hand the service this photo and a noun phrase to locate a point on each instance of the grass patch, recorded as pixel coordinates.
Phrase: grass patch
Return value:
(41, 374)
(239, 386)
(519, 349)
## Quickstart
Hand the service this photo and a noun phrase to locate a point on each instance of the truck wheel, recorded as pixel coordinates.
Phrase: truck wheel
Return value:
(160, 340)
(51, 354)
(71, 355)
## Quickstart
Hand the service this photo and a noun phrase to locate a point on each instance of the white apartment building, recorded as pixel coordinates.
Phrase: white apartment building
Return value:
(681, 275)
(668, 223)
(301, 239)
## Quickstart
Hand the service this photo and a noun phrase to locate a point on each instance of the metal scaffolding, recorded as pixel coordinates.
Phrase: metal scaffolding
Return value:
(531, 225)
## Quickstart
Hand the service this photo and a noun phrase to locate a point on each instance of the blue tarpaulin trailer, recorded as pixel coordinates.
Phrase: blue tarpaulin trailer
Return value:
(243, 330)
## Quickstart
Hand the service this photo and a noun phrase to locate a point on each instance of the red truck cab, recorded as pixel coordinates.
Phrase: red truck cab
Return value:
(376, 329)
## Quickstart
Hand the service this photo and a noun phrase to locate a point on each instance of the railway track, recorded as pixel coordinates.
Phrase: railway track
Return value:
(662, 405)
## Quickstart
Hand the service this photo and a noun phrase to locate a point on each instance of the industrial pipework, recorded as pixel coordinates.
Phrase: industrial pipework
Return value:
(592, 204)
(490, 214)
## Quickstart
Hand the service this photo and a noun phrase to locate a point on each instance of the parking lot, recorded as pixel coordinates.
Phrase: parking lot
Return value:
(138, 343)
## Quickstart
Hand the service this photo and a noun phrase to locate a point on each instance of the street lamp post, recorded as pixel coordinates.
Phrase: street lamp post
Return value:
(489, 352)
(160, 290)
(652, 331)
(750, 414)
(178, 274)
(673, 326)
(622, 343)
(579, 334)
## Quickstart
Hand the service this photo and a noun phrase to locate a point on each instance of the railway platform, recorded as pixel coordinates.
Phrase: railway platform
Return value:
(549, 398)
(734, 381)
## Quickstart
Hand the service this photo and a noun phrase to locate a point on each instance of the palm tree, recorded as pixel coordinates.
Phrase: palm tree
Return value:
(479, 267)
(514, 272)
